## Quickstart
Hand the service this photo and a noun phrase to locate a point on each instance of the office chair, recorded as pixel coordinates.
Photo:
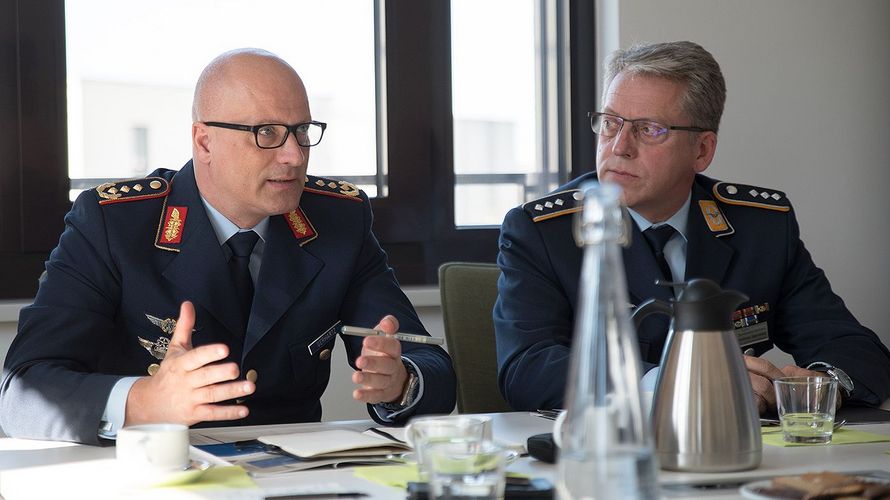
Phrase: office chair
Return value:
(468, 291)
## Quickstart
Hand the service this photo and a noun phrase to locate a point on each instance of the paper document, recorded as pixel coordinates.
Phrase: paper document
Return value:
(278, 454)
(335, 443)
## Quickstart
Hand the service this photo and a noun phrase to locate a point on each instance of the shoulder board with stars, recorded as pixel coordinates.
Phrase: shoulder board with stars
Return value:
(132, 190)
(554, 205)
(332, 187)
(751, 196)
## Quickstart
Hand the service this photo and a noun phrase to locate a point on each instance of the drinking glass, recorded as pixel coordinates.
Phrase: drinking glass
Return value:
(466, 470)
(426, 431)
(806, 408)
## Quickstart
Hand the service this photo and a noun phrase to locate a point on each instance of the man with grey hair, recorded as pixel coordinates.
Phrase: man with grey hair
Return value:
(656, 134)
(214, 294)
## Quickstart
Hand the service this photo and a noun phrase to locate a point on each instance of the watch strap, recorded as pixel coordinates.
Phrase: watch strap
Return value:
(843, 380)
(409, 393)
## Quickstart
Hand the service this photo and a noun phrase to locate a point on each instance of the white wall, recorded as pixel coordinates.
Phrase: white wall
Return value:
(107, 148)
(807, 112)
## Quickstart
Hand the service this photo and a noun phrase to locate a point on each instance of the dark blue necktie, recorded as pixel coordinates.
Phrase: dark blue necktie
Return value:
(657, 237)
(242, 245)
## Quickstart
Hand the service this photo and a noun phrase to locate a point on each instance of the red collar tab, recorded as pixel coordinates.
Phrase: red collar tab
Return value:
(171, 227)
(302, 228)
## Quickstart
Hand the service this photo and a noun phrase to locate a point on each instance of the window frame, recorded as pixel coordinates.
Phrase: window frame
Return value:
(33, 148)
(414, 222)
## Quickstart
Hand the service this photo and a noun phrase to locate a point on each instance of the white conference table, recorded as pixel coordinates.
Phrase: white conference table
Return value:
(22, 458)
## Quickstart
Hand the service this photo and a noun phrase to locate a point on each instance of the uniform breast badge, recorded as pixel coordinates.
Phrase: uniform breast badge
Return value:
(158, 348)
(167, 325)
(749, 328)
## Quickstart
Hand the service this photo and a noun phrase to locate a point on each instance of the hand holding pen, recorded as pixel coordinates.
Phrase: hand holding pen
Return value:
(383, 374)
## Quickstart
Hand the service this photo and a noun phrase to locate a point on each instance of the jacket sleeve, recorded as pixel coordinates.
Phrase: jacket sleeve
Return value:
(373, 293)
(51, 387)
(532, 318)
(815, 325)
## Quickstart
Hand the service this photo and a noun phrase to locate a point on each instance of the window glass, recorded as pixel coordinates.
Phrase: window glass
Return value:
(494, 107)
(132, 67)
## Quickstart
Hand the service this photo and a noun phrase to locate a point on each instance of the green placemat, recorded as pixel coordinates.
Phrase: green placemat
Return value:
(773, 437)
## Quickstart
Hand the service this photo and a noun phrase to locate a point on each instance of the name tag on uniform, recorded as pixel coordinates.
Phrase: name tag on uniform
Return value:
(324, 339)
(753, 334)
(749, 329)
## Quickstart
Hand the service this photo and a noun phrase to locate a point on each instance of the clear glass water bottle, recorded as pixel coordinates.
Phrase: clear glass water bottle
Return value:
(605, 440)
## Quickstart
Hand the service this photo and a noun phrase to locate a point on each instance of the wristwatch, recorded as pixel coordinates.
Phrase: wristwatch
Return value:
(409, 393)
(843, 380)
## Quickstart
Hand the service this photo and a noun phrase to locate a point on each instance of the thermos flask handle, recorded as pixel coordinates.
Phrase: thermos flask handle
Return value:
(648, 307)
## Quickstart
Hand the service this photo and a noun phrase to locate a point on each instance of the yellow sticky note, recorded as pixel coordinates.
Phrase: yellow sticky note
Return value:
(773, 437)
(397, 476)
(222, 477)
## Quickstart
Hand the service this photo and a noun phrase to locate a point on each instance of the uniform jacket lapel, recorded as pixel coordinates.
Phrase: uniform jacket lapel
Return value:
(707, 255)
(286, 271)
(200, 266)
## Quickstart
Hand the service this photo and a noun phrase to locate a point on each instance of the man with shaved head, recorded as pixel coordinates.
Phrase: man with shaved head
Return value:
(213, 295)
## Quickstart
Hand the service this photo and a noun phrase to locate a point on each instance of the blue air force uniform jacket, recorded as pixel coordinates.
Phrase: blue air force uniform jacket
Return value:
(745, 238)
(133, 251)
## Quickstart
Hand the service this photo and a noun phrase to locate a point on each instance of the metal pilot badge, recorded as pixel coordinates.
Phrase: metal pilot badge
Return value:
(166, 325)
(158, 348)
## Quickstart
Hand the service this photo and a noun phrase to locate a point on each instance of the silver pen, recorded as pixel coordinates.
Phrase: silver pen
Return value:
(406, 337)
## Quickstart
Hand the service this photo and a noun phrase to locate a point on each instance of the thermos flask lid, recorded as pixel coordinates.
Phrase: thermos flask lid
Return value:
(703, 306)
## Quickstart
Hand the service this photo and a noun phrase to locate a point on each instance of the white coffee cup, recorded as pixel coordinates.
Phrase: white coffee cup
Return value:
(154, 447)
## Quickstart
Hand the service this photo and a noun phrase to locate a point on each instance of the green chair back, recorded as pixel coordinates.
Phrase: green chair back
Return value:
(468, 291)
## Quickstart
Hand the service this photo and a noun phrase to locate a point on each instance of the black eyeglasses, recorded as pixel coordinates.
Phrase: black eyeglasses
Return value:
(274, 135)
(647, 131)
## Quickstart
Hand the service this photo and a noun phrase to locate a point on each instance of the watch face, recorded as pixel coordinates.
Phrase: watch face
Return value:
(842, 378)
(836, 373)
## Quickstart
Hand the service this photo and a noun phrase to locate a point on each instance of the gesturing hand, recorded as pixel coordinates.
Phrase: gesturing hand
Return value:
(188, 382)
(383, 375)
